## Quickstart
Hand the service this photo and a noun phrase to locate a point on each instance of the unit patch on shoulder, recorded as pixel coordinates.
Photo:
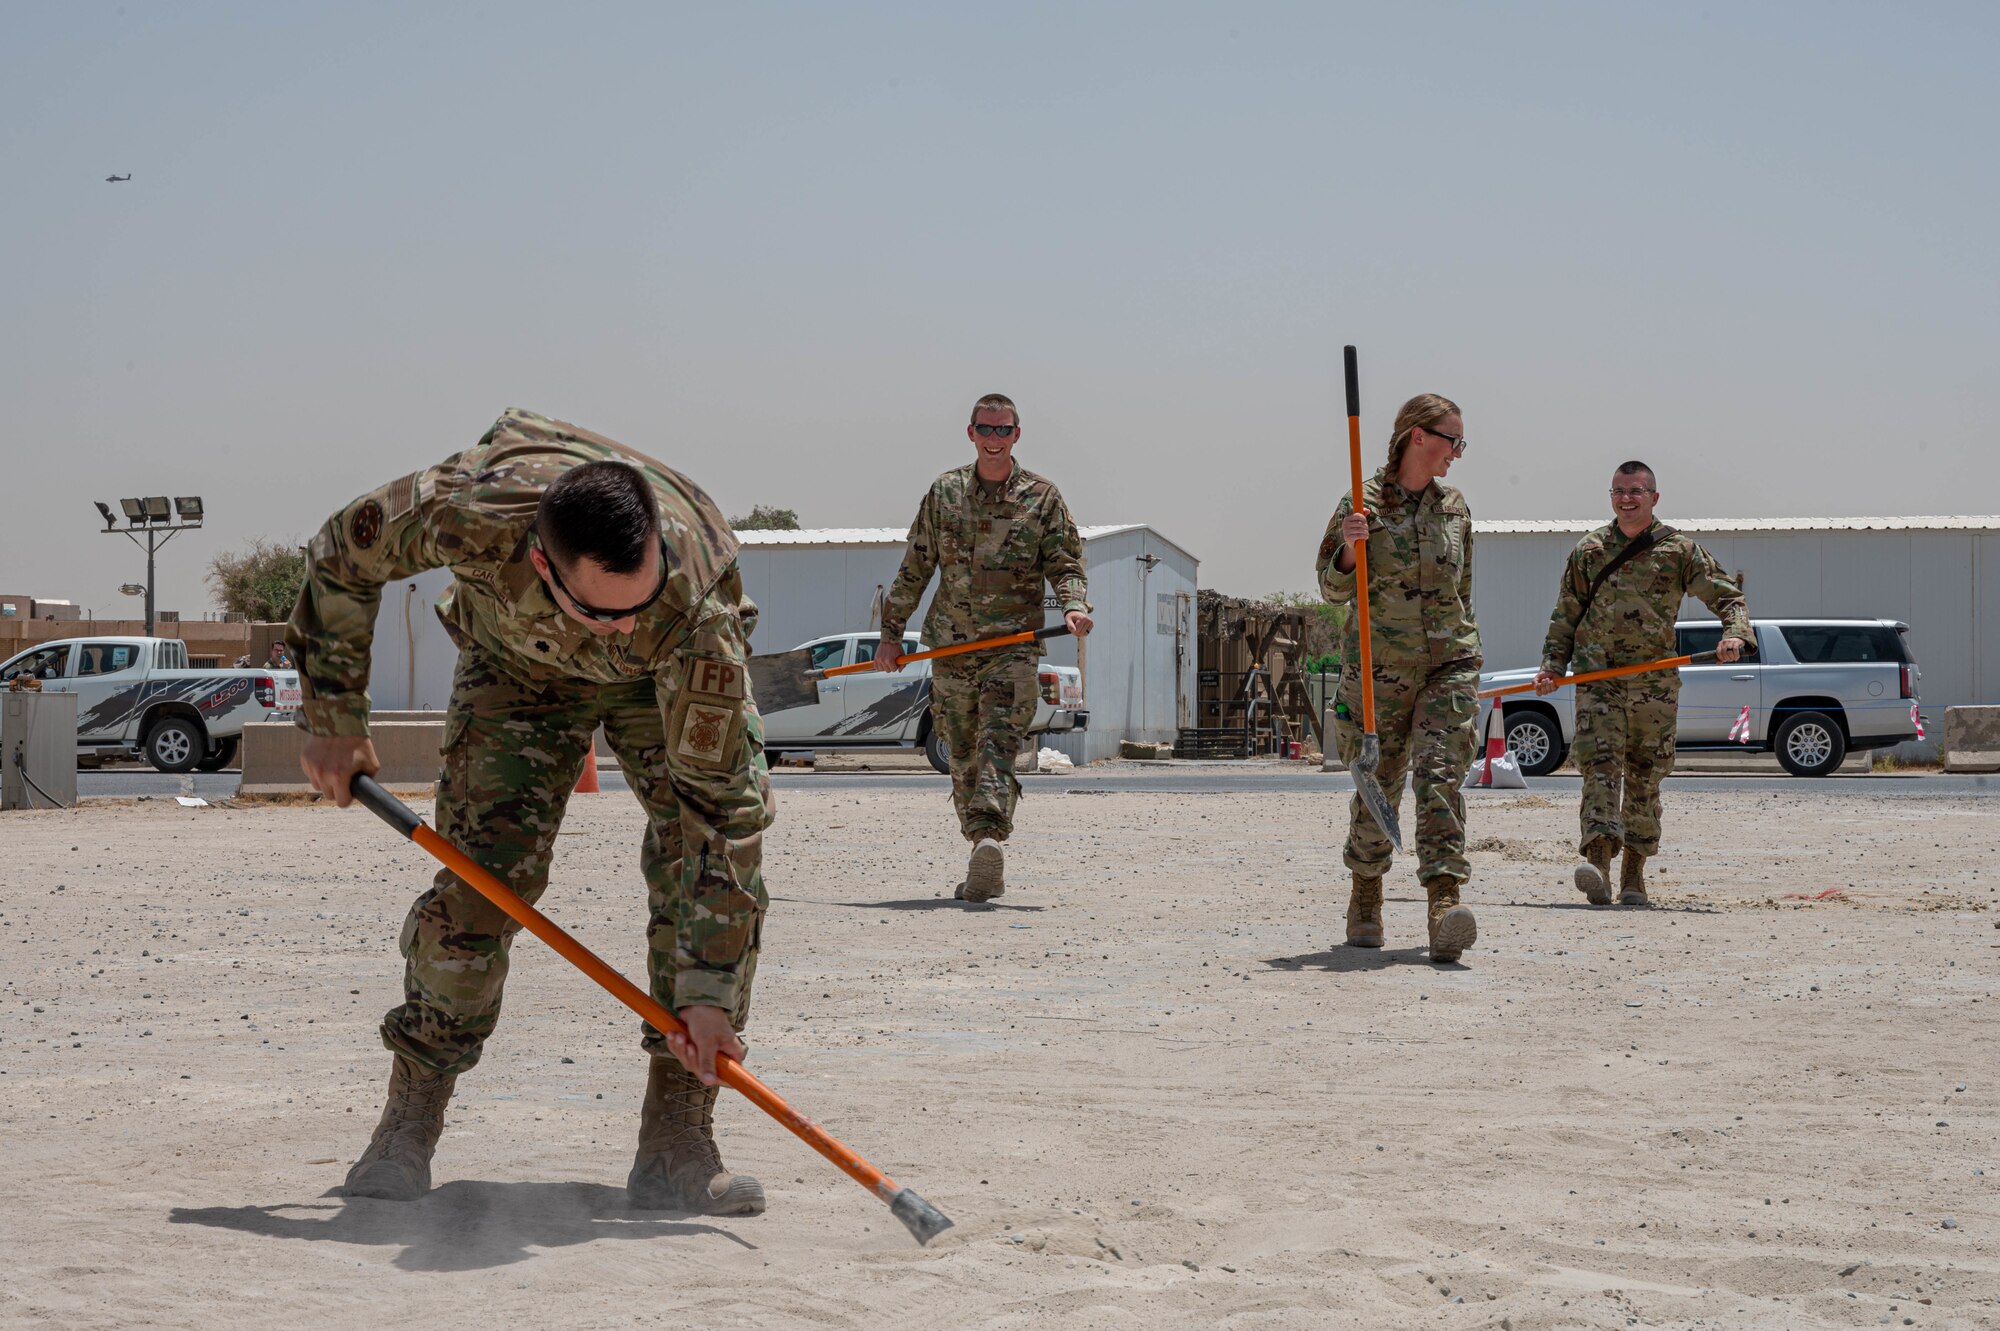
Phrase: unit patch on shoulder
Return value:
(365, 526)
(716, 677)
(704, 733)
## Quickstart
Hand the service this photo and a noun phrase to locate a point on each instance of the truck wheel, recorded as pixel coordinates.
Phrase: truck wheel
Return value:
(1809, 744)
(1536, 741)
(220, 755)
(175, 744)
(935, 750)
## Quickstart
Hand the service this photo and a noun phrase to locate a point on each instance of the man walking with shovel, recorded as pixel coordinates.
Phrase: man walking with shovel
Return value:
(1620, 594)
(994, 532)
(545, 525)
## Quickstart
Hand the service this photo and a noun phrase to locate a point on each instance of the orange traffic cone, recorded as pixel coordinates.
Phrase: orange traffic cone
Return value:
(1496, 747)
(586, 784)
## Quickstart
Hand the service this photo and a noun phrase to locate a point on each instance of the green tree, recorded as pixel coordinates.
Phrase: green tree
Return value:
(765, 518)
(262, 582)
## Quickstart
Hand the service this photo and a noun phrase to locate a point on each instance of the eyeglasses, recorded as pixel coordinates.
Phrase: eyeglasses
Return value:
(1457, 441)
(986, 431)
(611, 616)
(1629, 494)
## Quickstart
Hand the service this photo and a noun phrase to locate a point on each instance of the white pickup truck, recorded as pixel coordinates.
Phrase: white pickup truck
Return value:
(877, 710)
(136, 697)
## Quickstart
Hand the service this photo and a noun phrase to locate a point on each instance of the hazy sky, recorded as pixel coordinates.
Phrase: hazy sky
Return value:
(783, 246)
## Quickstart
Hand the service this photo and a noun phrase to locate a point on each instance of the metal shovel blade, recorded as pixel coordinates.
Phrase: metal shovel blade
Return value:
(1370, 790)
(778, 681)
(923, 1220)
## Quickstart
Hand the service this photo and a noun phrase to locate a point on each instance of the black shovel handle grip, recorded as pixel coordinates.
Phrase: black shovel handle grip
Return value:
(1353, 382)
(368, 792)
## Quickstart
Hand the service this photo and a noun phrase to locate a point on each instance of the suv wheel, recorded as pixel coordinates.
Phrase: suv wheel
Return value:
(935, 751)
(1809, 744)
(1536, 741)
(175, 744)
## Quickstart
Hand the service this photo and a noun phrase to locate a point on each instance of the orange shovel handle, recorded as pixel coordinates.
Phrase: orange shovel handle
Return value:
(1592, 676)
(733, 1074)
(956, 649)
(1361, 550)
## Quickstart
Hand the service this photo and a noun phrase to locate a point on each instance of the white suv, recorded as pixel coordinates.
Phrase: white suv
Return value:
(875, 710)
(1816, 689)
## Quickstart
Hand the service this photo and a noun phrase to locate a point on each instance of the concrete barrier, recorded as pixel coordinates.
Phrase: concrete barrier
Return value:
(1972, 739)
(408, 750)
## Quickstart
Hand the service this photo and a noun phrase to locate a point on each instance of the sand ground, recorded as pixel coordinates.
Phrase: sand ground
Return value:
(1148, 1085)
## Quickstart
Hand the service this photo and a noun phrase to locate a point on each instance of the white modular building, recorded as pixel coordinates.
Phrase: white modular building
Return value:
(1940, 575)
(1138, 665)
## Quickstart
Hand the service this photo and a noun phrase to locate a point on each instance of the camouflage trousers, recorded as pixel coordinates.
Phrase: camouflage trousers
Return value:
(1624, 746)
(1425, 722)
(512, 754)
(983, 703)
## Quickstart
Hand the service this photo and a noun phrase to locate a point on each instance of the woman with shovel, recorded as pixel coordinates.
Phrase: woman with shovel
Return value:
(1413, 537)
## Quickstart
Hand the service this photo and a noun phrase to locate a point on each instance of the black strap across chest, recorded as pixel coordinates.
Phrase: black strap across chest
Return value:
(1639, 544)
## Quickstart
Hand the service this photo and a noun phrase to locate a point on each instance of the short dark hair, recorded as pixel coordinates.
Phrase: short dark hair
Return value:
(601, 511)
(1633, 468)
(995, 402)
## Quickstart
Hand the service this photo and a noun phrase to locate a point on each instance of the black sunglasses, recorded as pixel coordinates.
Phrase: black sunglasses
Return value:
(610, 616)
(985, 431)
(1457, 441)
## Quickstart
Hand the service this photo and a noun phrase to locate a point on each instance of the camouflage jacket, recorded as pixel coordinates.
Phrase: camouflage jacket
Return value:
(1632, 618)
(992, 553)
(1419, 575)
(472, 513)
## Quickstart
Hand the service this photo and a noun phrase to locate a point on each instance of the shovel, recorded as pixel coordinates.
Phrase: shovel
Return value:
(923, 1220)
(786, 679)
(1616, 672)
(1363, 767)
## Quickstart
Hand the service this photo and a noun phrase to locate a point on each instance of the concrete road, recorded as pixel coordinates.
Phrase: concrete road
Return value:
(1200, 778)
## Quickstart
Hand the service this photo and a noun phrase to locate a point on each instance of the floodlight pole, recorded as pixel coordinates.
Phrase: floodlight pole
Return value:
(155, 538)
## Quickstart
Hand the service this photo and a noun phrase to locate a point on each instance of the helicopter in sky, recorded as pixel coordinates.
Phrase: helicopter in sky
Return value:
(115, 179)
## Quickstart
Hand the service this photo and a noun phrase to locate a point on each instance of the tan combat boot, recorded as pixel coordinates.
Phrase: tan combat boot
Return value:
(396, 1167)
(1632, 879)
(1452, 927)
(1364, 913)
(1593, 876)
(985, 872)
(678, 1167)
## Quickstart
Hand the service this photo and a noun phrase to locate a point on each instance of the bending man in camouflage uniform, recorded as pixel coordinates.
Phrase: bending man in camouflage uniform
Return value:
(543, 524)
(1426, 657)
(994, 532)
(1625, 727)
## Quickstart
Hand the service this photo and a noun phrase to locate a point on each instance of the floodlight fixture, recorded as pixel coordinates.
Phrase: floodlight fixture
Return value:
(135, 511)
(189, 508)
(105, 509)
(158, 509)
(132, 588)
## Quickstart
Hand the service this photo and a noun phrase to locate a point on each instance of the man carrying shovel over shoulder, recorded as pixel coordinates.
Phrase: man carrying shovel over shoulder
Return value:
(995, 533)
(1621, 592)
(545, 526)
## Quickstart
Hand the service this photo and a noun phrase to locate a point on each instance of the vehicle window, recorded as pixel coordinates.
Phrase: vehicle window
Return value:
(827, 654)
(1822, 644)
(1701, 638)
(912, 645)
(106, 658)
(49, 663)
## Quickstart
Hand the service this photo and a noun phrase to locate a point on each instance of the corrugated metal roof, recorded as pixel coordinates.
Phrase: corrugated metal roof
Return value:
(880, 535)
(1985, 522)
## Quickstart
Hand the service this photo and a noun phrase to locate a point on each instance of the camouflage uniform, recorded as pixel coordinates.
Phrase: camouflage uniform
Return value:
(993, 546)
(1425, 646)
(1625, 727)
(532, 685)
